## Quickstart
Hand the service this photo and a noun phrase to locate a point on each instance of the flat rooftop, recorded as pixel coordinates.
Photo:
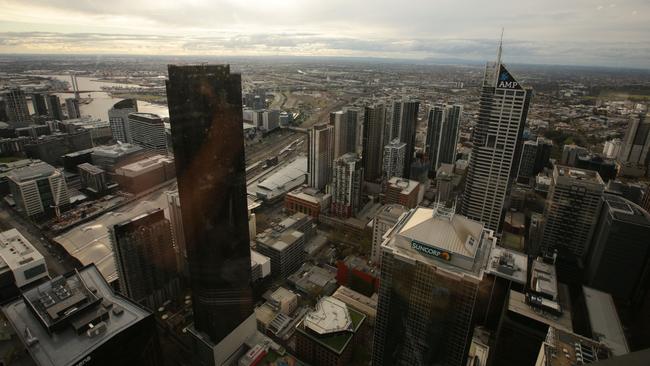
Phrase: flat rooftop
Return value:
(508, 264)
(116, 150)
(355, 300)
(605, 325)
(329, 315)
(563, 348)
(291, 172)
(624, 210)
(543, 278)
(146, 164)
(578, 175)
(16, 250)
(92, 169)
(31, 172)
(55, 311)
(517, 304)
(405, 185)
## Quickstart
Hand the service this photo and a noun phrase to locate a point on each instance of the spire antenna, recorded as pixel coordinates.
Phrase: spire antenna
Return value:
(500, 48)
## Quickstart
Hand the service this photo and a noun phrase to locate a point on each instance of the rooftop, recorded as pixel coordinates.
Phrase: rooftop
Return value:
(604, 321)
(64, 319)
(391, 212)
(543, 279)
(92, 169)
(16, 250)
(278, 180)
(146, 117)
(405, 185)
(116, 150)
(508, 264)
(146, 164)
(624, 210)
(563, 348)
(32, 172)
(578, 175)
(332, 324)
(439, 237)
(361, 302)
(517, 304)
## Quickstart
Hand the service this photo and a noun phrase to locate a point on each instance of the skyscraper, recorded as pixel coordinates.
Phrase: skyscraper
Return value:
(321, 155)
(442, 134)
(635, 150)
(206, 117)
(385, 219)
(72, 106)
(373, 142)
(431, 270)
(54, 107)
(394, 156)
(347, 175)
(345, 130)
(118, 118)
(497, 140)
(534, 157)
(147, 130)
(571, 210)
(145, 259)
(17, 110)
(620, 256)
(40, 106)
(39, 190)
(402, 126)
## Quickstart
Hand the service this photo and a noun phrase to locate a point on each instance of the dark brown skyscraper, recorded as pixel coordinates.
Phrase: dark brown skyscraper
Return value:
(205, 110)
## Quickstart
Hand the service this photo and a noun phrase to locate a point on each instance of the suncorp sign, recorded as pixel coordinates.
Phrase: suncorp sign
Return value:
(430, 251)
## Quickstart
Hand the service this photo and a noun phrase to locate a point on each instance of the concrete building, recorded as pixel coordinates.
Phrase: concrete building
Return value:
(285, 244)
(561, 348)
(385, 219)
(147, 130)
(24, 262)
(39, 104)
(176, 221)
(72, 107)
(535, 156)
(404, 116)
(347, 175)
(308, 201)
(92, 178)
(497, 140)
(146, 260)
(570, 154)
(111, 157)
(145, 174)
(394, 159)
(214, 211)
(612, 148)
(77, 319)
(606, 168)
(328, 334)
(432, 267)
(359, 302)
(51, 149)
(442, 134)
(321, 155)
(54, 107)
(402, 191)
(620, 253)
(118, 117)
(571, 210)
(17, 111)
(374, 120)
(635, 150)
(39, 190)
(345, 124)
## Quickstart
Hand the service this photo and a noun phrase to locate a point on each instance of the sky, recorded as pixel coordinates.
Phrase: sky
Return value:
(565, 32)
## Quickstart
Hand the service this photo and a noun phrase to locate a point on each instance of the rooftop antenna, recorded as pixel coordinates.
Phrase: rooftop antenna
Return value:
(500, 48)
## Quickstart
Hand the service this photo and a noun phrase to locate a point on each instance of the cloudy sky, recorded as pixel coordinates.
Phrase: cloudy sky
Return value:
(581, 32)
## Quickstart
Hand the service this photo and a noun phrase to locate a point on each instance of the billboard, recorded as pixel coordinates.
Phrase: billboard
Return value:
(430, 251)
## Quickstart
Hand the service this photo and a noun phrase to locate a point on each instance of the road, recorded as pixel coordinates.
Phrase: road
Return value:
(11, 220)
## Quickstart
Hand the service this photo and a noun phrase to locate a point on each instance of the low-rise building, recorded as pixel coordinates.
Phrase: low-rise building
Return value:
(402, 191)
(145, 174)
(39, 190)
(308, 201)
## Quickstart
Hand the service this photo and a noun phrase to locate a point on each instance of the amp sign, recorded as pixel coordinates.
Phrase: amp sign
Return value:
(506, 81)
(430, 251)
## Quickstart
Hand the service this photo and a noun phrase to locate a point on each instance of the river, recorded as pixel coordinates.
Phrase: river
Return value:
(102, 101)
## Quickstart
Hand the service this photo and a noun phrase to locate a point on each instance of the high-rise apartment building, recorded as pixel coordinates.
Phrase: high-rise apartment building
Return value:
(72, 107)
(442, 134)
(118, 118)
(39, 190)
(321, 155)
(374, 119)
(619, 260)
(534, 157)
(147, 130)
(404, 117)
(571, 210)
(497, 141)
(205, 110)
(54, 107)
(347, 175)
(394, 156)
(39, 104)
(345, 124)
(612, 148)
(571, 153)
(635, 149)
(431, 270)
(145, 259)
(17, 111)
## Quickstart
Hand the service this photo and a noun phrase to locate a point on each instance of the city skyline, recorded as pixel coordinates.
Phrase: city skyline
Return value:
(582, 33)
